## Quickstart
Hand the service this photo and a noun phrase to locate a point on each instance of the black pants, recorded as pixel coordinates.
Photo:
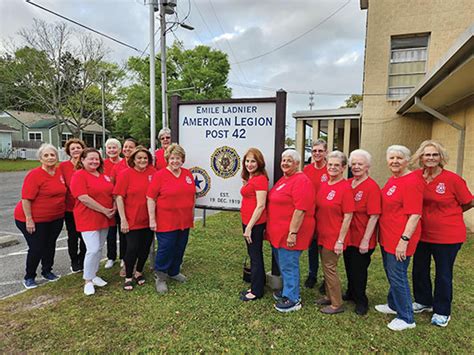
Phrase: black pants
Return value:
(357, 265)
(41, 245)
(313, 259)
(257, 267)
(444, 256)
(75, 244)
(112, 241)
(138, 247)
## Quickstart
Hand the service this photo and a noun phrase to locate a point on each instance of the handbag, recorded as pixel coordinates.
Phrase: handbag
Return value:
(246, 275)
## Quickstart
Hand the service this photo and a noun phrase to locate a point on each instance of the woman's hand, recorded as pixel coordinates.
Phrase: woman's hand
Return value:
(338, 247)
(30, 225)
(109, 212)
(291, 240)
(364, 246)
(153, 225)
(401, 250)
(124, 227)
(248, 235)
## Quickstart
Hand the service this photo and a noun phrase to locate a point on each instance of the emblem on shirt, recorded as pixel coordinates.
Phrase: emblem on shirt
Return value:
(358, 196)
(202, 180)
(188, 180)
(107, 178)
(331, 195)
(225, 162)
(280, 187)
(391, 190)
(441, 188)
(150, 177)
(324, 178)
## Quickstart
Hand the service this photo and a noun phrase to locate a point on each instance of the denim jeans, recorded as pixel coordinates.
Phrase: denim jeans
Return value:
(313, 259)
(399, 297)
(170, 253)
(289, 264)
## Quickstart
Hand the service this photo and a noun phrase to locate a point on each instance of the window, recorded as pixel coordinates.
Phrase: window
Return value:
(64, 138)
(407, 64)
(88, 139)
(35, 136)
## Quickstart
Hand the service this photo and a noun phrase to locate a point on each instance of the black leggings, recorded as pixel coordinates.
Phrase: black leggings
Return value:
(257, 267)
(75, 244)
(138, 247)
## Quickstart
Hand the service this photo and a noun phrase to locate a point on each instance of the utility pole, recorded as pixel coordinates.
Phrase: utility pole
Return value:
(164, 81)
(153, 7)
(103, 114)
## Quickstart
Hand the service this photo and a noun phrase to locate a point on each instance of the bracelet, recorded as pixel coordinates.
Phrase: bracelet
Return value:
(405, 238)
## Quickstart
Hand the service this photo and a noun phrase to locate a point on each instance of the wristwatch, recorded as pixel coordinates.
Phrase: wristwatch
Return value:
(405, 238)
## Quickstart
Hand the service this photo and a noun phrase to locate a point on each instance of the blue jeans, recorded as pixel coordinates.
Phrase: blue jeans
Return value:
(289, 264)
(399, 297)
(313, 259)
(171, 247)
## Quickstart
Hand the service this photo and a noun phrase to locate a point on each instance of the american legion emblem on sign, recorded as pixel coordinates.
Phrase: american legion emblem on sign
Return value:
(225, 162)
(202, 180)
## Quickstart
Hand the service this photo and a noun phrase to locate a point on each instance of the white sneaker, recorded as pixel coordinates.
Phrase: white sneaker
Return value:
(419, 308)
(122, 263)
(109, 263)
(399, 324)
(180, 278)
(97, 281)
(384, 308)
(89, 289)
(440, 320)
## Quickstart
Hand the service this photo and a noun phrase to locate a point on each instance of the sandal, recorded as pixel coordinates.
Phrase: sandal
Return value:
(140, 280)
(128, 285)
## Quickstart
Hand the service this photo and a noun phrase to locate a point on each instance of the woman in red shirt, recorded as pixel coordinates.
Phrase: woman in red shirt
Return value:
(40, 213)
(402, 202)
(93, 212)
(334, 209)
(170, 200)
(252, 211)
(290, 227)
(362, 240)
(445, 198)
(73, 148)
(130, 196)
(164, 136)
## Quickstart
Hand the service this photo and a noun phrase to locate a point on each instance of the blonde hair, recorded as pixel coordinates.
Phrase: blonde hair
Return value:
(175, 149)
(443, 153)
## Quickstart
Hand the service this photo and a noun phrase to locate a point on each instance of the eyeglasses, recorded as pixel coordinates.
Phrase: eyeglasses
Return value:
(163, 138)
(431, 155)
(318, 151)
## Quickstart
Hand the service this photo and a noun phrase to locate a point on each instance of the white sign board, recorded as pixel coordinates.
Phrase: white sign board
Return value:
(215, 137)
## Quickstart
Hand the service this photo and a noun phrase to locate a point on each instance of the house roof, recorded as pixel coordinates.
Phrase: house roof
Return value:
(48, 123)
(6, 128)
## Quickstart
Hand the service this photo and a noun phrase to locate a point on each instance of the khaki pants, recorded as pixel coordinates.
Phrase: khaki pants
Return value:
(332, 282)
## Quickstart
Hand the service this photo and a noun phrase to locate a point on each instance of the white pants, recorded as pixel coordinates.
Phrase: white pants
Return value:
(95, 241)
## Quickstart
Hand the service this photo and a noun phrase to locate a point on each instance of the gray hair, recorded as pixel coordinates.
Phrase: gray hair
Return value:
(361, 153)
(164, 131)
(321, 142)
(43, 147)
(293, 154)
(113, 141)
(400, 149)
(338, 155)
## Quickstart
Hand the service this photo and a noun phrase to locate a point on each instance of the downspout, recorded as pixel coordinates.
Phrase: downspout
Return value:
(462, 131)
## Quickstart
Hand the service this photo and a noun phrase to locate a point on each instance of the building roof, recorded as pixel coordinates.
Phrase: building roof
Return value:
(6, 128)
(48, 123)
(330, 114)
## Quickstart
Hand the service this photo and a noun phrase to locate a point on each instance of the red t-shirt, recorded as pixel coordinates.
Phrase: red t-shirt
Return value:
(442, 221)
(117, 168)
(317, 176)
(249, 198)
(67, 169)
(332, 202)
(132, 186)
(286, 196)
(47, 195)
(100, 189)
(367, 202)
(401, 197)
(160, 161)
(109, 165)
(175, 198)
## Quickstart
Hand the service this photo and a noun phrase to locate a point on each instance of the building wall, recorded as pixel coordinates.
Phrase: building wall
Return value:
(446, 20)
(10, 121)
(5, 141)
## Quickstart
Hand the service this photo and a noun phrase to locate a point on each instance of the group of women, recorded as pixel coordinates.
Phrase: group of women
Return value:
(417, 213)
(96, 198)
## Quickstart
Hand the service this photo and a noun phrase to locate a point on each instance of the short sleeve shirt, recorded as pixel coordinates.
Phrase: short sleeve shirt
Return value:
(317, 176)
(67, 168)
(160, 161)
(249, 198)
(119, 167)
(109, 165)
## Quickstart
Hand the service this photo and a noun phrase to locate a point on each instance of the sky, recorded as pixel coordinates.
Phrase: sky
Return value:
(328, 59)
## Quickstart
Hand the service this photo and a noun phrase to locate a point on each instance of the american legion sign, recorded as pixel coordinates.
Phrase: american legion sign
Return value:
(216, 134)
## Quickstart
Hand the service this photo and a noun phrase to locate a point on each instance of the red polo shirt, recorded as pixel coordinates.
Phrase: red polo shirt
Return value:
(132, 186)
(287, 195)
(249, 198)
(67, 169)
(160, 161)
(175, 198)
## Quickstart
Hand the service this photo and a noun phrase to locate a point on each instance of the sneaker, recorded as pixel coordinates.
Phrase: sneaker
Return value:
(49, 276)
(99, 282)
(310, 282)
(180, 278)
(30, 283)
(109, 263)
(399, 324)
(419, 308)
(89, 289)
(324, 301)
(361, 310)
(331, 310)
(160, 282)
(277, 296)
(75, 268)
(384, 308)
(439, 320)
(122, 263)
(287, 306)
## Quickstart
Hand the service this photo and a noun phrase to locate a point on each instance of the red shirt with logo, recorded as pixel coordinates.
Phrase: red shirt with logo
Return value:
(160, 161)
(117, 169)
(109, 165)
(442, 221)
(249, 198)
(67, 168)
(47, 195)
(401, 197)
(132, 186)
(317, 176)
(367, 202)
(98, 188)
(287, 195)
(332, 202)
(175, 198)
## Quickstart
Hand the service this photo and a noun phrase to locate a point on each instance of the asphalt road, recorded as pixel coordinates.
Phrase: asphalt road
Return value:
(13, 258)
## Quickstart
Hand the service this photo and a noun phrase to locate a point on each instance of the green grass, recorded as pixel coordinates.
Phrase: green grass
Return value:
(205, 314)
(17, 165)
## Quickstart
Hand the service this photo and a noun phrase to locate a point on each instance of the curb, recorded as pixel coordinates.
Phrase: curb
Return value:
(8, 240)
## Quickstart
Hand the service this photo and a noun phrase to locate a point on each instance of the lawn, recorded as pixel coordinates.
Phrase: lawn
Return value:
(205, 314)
(17, 165)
